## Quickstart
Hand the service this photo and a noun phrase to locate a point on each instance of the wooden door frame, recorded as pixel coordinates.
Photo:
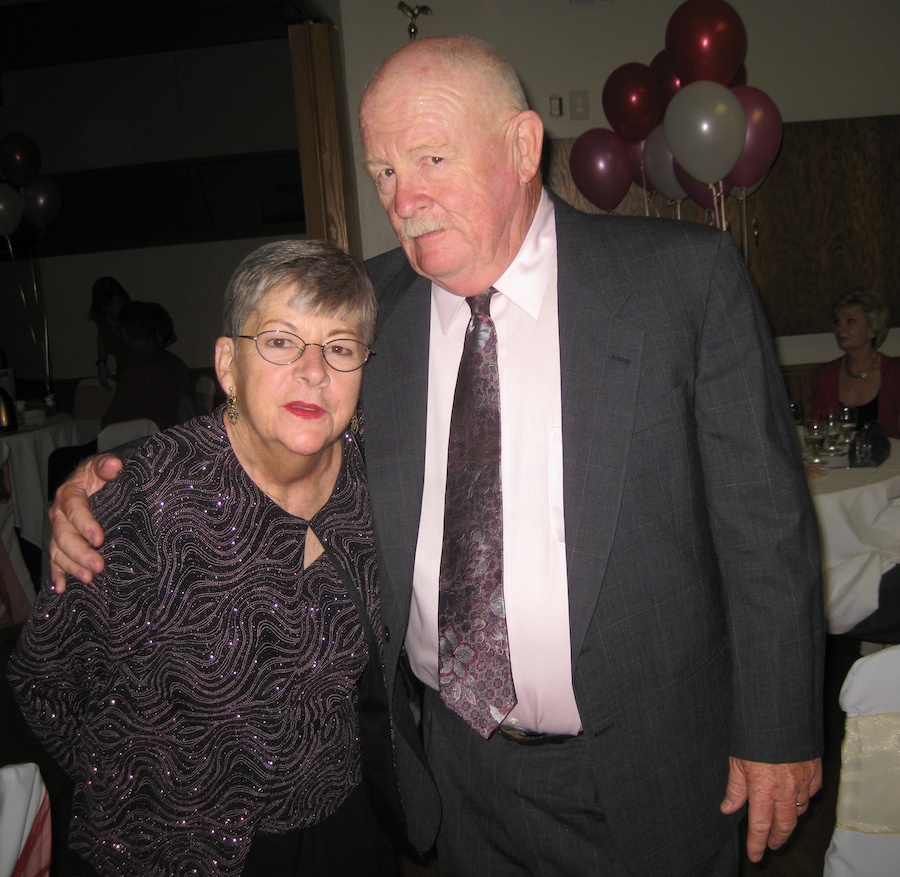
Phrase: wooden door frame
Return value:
(325, 153)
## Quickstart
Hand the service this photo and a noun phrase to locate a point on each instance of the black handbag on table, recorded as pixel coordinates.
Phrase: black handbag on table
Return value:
(869, 447)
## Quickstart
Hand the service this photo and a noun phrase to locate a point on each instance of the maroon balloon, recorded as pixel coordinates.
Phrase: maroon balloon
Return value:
(732, 188)
(41, 201)
(633, 101)
(763, 136)
(706, 39)
(20, 158)
(665, 72)
(697, 191)
(601, 169)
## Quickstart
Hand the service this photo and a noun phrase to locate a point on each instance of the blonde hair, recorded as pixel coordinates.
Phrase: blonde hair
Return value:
(874, 308)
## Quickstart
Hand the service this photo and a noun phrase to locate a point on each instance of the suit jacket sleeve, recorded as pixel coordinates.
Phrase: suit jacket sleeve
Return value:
(763, 525)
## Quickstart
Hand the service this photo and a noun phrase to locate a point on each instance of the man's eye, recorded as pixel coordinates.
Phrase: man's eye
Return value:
(435, 159)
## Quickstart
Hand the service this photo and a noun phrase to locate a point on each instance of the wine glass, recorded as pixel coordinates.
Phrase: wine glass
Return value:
(833, 434)
(814, 433)
(847, 415)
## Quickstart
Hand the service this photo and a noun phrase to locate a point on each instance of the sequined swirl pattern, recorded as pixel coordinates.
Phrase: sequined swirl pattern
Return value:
(204, 687)
(475, 673)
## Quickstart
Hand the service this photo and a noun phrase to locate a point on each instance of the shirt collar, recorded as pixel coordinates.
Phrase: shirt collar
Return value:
(525, 281)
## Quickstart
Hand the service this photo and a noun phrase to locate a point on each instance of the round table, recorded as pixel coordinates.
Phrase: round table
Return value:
(859, 525)
(29, 451)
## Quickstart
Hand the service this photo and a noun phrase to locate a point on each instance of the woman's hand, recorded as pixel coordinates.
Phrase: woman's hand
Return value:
(75, 530)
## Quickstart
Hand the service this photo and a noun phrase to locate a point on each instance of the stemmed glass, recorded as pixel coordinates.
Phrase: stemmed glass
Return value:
(847, 415)
(833, 434)
(814, 433)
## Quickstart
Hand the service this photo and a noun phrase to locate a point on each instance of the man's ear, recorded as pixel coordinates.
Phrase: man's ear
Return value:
(225, 353)
(528, 143)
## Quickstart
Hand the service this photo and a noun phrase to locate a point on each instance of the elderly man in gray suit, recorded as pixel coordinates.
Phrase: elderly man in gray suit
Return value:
(661, 599)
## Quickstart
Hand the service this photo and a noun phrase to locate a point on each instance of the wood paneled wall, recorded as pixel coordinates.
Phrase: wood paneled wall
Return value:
(825, 220)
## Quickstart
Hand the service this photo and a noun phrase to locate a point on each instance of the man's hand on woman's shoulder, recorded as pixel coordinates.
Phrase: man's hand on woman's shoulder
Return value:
(75, 530)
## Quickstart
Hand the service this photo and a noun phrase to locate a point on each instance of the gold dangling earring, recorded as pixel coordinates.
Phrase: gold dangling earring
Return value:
(234, 414)
(354, 424)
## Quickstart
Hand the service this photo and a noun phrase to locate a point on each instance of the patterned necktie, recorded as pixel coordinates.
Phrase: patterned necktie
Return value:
(475, 673)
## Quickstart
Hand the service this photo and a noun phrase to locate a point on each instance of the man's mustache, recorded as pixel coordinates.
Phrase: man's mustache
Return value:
(416, 226)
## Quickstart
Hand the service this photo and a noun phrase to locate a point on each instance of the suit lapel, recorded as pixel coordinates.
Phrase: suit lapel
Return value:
(395, 402)
(600, 374)
(600, 363)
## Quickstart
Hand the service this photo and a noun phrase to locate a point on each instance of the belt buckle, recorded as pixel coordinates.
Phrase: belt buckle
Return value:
(531, 738)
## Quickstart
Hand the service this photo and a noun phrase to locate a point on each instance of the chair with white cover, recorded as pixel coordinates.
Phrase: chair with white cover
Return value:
(25, 838)
(866, 839)
(90, 404)
(123, 432)
(16, 588)
(204, 394)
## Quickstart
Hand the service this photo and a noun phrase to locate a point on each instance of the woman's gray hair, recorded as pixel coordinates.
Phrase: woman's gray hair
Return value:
(874, 308)
(323, 277)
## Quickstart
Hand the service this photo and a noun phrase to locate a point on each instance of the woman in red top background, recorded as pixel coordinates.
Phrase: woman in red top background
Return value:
(862, 377)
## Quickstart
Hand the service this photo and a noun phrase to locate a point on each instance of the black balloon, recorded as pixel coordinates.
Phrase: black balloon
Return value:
(41, 200)
(20, 158)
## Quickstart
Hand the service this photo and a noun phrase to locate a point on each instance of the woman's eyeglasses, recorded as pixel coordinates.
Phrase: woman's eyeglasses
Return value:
(283, 348)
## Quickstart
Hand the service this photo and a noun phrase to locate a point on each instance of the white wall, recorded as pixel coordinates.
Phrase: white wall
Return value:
(817, 59)
(189, 280)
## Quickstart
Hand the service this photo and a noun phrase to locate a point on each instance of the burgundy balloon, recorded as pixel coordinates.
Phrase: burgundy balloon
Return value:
(20, 158)
(706, 39)
(633, 101)
(665, 72)
(763, 136)
(601, 169)
(732, 188)
(697, 191)
(41, 201)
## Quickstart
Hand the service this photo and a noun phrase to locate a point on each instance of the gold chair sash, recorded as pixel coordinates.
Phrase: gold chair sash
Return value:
(869, 793)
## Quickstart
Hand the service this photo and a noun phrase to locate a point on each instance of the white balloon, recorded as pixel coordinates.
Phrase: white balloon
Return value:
(659, 165)
(705, 128)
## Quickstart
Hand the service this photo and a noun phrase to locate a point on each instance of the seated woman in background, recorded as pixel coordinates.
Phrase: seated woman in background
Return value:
(862, 377)
(108, 297)
(155, 383)
(203, 691)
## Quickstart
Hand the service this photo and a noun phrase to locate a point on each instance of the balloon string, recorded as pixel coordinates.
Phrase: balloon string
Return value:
(21, 292)
(42, 315)
(644, 187)
(743, 199)
(724, 211)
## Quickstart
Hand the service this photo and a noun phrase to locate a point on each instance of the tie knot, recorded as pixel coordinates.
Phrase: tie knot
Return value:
(481, 303)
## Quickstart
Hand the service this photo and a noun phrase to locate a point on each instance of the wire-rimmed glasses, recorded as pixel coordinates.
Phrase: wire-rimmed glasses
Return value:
(283, 348)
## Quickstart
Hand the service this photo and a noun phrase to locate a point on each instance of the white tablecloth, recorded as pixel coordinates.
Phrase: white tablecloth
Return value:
(859, 523)
(29, 451)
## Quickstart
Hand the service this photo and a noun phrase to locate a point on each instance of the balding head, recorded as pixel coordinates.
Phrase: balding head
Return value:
(454, 151)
